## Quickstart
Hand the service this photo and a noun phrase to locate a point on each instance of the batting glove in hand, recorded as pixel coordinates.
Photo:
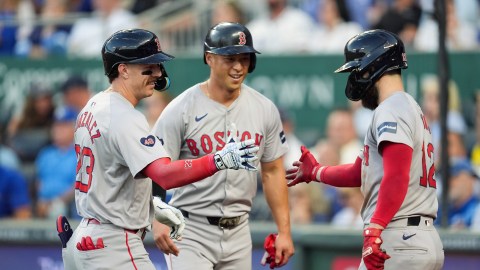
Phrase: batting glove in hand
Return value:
(269, 255)
(169, 216)
(373, 256)
(64, 230)
(305, 169)
(87, 244)
(236, 155)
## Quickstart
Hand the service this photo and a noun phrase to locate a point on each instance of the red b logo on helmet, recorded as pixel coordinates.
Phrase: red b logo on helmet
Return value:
(242, 38)
(159, 48)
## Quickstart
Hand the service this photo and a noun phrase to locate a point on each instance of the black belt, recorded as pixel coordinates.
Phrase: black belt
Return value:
(221, 222)
(413, 221)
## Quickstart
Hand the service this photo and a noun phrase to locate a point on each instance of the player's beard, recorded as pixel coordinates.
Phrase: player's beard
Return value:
(370, 101)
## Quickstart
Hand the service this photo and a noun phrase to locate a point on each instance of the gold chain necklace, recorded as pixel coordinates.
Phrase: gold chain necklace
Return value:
(208, 91)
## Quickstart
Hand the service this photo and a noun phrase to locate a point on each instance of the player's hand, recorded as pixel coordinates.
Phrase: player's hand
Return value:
(305, 169)
(236, 155)
(87, 244)
(161, 236)
(170, 216)
(269, 255)
(278, 250)
(373, 256)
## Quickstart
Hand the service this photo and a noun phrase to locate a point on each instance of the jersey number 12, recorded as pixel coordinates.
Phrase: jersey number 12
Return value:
(427, 179)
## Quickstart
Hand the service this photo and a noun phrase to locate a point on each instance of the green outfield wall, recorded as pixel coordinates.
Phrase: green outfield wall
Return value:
(304, 85)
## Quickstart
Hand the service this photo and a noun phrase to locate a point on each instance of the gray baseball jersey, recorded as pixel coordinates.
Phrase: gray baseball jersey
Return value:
(113, 145)
(193, 125)
(400, 119)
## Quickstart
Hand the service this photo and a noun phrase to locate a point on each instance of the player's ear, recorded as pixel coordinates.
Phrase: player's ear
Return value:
(123, 71)
(208, 58)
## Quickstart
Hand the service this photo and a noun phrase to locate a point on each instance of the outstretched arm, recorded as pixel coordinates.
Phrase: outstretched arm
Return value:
(307, 169)
(169, 174)
(235, 155)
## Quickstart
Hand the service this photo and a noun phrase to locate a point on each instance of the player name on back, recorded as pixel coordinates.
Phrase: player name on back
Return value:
(86, 120)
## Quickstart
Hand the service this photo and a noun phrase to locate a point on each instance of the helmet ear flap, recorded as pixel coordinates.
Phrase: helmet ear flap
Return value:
(162, 83)
(356, 88)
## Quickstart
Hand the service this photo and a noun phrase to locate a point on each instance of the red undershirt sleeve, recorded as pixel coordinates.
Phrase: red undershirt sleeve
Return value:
(397, 158)
(179, 173)
(346, 175)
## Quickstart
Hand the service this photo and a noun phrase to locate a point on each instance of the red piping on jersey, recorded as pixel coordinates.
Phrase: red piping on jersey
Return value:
(346, 175)
(179, 173)
(130, 252)
(397, 158)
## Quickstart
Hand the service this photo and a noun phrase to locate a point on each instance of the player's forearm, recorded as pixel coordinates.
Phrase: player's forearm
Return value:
(277, 200)
(346, 175)
(276, 195)
(181, 172)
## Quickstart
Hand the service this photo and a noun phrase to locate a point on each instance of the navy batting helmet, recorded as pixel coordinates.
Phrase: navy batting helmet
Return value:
(135, 46)
(367, 57)
(229, 38)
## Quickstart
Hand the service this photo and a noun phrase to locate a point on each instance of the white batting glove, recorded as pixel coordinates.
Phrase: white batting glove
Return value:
(236, 155)
(169, 216)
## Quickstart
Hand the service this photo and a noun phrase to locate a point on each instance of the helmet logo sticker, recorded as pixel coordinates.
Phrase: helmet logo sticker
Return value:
(242, 38)
(159, 48)
(404, 57)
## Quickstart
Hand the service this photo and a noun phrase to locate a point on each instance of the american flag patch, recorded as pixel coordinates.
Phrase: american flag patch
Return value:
(282, 137)
(390, 127)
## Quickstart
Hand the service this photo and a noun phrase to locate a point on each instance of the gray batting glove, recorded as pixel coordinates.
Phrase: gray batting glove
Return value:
(237, 155)
(169, 216)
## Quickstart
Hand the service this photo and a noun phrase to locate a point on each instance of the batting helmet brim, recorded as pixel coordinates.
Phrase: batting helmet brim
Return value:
(347, 67)
(232, 50)
(153, 59)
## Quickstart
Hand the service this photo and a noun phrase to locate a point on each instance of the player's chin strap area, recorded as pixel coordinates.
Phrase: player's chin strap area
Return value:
(162, 83)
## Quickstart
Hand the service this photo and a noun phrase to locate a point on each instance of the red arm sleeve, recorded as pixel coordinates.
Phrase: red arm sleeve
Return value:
(397, 158)
(179, 173)
(347, 175)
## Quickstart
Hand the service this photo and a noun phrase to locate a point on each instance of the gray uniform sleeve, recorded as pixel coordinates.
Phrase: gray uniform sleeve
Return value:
(137, 146)
(275, 142)
(394, 124)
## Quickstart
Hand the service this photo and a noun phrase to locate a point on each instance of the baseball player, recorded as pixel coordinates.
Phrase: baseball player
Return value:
(196, 123)
(116, 152)
(395, 169)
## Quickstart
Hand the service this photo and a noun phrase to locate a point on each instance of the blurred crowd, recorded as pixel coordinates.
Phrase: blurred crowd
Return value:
(37, 154)
(77, 28)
